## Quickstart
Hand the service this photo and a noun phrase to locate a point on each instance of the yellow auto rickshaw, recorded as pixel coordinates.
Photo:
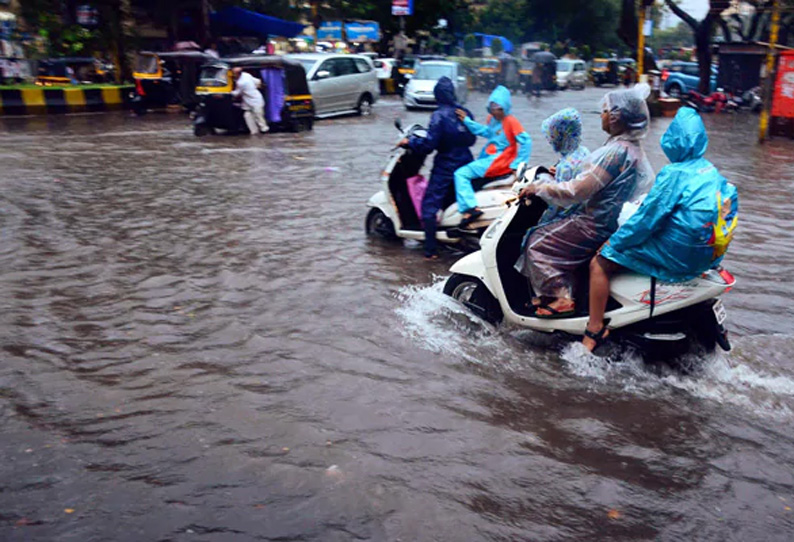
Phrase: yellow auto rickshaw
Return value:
(288, 102)
(163, 79)
(604, 71)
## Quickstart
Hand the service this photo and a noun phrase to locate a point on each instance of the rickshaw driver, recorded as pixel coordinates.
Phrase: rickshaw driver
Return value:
(247, 87)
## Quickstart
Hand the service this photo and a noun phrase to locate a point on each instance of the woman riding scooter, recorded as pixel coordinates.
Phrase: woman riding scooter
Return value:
(449, 137)
(616, 173)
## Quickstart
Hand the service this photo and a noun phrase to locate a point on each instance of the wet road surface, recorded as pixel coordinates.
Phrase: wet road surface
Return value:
(200, 343)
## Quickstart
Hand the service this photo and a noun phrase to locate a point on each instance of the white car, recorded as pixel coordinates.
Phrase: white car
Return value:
(340, 83)
(419, 90)
(571, 73)
(384, 67)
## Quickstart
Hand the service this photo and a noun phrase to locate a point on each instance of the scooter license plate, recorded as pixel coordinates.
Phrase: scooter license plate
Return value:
(720, 314)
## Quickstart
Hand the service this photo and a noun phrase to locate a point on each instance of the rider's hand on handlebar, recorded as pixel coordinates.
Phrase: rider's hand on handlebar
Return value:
(403, 143)
(461, 114)
(528, 191)
(553, 171)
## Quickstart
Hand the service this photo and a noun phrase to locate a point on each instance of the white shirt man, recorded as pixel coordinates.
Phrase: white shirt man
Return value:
(247, 88)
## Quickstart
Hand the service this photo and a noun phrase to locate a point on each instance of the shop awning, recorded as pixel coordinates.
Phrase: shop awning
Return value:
(487, 39)
(242, 21)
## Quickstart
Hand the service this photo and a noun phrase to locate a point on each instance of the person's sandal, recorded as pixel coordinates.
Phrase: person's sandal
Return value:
(555, 314)
(598, 338)
(473, 215)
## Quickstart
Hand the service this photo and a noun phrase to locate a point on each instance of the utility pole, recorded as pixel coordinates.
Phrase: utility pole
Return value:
(645, 6)
(774, 28)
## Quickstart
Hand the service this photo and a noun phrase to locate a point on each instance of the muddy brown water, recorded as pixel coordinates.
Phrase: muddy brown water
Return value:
(200, 343)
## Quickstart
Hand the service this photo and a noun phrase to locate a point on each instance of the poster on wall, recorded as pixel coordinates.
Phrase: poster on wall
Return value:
(401, 8)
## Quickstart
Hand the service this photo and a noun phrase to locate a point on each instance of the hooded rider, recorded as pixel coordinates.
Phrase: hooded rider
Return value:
(451, 140)
(563, 131)
(682, 228)
(508, 145)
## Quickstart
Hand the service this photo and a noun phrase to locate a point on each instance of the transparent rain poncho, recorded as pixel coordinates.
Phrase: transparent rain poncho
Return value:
(614, 174)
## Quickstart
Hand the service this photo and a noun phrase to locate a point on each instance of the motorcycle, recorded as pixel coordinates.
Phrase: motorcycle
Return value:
(660, 320)
(394, 215)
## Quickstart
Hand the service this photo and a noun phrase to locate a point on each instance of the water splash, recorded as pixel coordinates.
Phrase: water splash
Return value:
(743, 378)
(442, 325)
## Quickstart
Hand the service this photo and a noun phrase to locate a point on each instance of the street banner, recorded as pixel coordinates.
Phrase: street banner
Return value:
(401, 8)
(330, 30)
(362, 31)
(783, 102)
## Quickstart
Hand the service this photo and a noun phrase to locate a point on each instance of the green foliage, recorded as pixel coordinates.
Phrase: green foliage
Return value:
(496, 47)
(470, 44)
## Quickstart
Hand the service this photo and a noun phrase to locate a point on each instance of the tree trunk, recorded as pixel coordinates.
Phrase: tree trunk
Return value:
(703, 46)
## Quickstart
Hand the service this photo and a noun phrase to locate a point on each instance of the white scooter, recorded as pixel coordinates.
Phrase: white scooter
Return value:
(392, 214)
(660, 319)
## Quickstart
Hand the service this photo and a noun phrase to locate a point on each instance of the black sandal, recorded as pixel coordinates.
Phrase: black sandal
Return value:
(599, 337)
(474, 214)
(554, 312)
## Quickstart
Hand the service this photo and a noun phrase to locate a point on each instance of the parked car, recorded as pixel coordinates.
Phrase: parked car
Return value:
(419, 90)
(682, 77)
(384, 67)
(571, 73)
(340, 83)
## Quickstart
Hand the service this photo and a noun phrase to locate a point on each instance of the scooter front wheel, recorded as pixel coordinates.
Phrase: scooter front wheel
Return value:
(379, 224)
(472, 293)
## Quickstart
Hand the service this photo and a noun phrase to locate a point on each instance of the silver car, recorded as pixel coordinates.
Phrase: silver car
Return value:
(340, 83)
(571, 73)
(419, 90)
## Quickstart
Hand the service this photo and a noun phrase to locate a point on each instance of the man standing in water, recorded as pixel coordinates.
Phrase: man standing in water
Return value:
(247, 88)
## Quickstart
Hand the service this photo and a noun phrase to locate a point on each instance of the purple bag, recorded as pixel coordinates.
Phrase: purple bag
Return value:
(417, 186)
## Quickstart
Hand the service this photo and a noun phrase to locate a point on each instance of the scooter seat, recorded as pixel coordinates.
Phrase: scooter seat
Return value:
(484, 183)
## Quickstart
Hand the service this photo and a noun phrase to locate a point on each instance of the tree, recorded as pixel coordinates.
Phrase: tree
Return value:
(469, 44)
(496, 47)
(702, 31)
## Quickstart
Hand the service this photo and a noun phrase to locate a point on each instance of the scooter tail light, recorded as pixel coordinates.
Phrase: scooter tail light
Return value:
(665, 75)
(729, 279)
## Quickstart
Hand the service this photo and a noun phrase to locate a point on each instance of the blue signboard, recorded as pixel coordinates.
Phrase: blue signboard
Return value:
(362, 31)
(330, 30)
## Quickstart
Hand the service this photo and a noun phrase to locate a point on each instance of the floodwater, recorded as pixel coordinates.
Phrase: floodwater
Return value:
(200, 343)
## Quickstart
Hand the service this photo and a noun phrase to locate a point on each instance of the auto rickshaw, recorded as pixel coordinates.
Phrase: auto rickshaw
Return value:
(605, 72)
(163, 79)
(498, 71)
(288, 102)
(72, 71)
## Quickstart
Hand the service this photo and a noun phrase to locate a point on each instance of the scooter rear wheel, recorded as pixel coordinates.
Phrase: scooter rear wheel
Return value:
(379, 224)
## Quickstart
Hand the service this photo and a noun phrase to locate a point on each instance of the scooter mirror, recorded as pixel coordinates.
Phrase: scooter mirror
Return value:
(398, 124)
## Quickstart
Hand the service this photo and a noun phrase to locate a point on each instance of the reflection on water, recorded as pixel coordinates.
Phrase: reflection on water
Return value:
(197, 332)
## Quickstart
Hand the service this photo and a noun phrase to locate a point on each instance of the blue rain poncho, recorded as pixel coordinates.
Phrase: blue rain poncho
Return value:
(508, 145)
(684, 225)
(614, 174)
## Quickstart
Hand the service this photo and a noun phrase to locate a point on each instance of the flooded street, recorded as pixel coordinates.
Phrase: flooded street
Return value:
(199, 342)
